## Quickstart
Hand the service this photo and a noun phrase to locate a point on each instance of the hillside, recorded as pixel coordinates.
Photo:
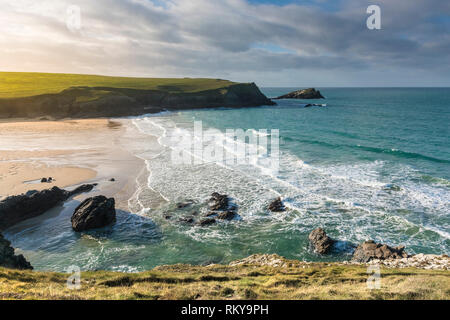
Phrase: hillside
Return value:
(280, 279)
(69, 95)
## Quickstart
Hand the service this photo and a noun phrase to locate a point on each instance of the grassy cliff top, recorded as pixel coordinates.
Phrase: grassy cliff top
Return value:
(27, 84)
(291, 280)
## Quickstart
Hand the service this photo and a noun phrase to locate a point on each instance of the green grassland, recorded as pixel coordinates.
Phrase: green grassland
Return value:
(26, 84)
(220, 282)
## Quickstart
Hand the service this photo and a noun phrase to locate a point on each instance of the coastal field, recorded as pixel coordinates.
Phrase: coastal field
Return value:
(293, 280)
(27, 84)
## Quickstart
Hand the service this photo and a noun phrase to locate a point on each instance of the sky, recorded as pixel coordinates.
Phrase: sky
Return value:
(284, 43)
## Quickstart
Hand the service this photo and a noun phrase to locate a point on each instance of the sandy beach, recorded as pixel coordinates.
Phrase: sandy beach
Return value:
(71, 152)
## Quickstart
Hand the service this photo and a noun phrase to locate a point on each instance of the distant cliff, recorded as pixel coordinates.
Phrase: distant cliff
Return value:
(87, 101)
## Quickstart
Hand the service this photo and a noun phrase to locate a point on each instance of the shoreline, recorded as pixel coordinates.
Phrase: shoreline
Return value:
(125, 167)
(72, 152)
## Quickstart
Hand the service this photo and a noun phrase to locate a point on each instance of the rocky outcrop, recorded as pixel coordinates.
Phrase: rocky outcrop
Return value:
(207, 222)
(277, 205)
(221, 207)
(321, 242)
(185, 204)
(422, 261)
(8, 259)
(94, 213)
(309, 105)
(80, 102)
(370, 250)
(219, 201)
(270, 260)
(15, 209)
(226, 215)
(310, 93)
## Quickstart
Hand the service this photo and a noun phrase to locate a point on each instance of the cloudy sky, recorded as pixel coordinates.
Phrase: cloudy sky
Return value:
(273, 43)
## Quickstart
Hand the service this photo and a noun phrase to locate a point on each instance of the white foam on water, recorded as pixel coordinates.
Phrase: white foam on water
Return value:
(353, 198)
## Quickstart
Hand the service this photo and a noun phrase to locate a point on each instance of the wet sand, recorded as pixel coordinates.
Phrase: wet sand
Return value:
(72, 152)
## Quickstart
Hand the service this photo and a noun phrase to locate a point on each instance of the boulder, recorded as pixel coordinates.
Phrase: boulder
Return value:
(185, 204)
(9, 260)
(226, 215)
(320, 241)
(219, 201)
(15, 209)
(207, 222)
(187, 220)
(93, 213)
(277, 206)
(370, 250)
(310, 93)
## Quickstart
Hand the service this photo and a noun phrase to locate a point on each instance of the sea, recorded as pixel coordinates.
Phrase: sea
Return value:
(366, 163)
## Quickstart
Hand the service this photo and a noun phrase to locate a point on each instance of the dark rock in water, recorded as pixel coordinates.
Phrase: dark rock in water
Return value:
(112, 179)
(44, 180)
(187, 220)
(167, 217)
(310, 93)
(226, 215)
(93, 213)
(15, 209)
(8, 259)
(219, 201)
(277, 206)
(392, 187)
(185, 204)
(207, 222)
(321, 242)
(370, 250)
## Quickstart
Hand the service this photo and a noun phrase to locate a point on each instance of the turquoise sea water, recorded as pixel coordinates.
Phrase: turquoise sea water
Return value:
(372, 164)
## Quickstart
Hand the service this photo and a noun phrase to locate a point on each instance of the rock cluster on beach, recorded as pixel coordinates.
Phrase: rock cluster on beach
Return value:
(97, 212)
(370, 250)
(270, 260)
(220, 207)
(93, 213)
(8, 259)
(423, 261)
(310, 93)
(15, 209)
